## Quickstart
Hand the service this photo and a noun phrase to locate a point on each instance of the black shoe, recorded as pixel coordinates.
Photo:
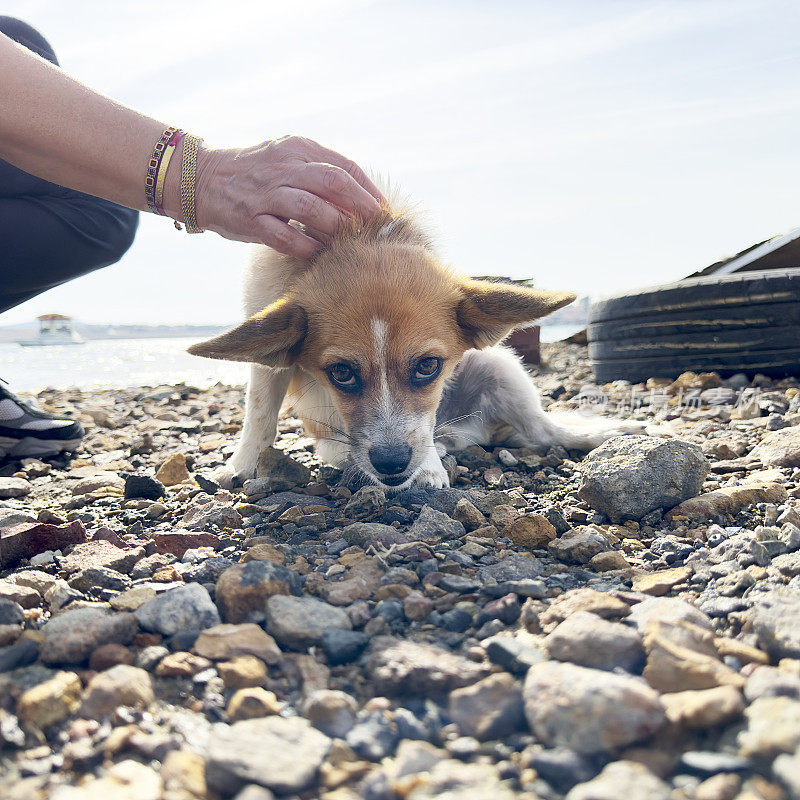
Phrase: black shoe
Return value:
(27, 431)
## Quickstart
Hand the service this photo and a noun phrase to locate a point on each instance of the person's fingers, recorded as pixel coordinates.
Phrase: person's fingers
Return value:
(307, 208)
(336, 186)
(284, 238)
(352, 169)
(325, 154)
(318, 235)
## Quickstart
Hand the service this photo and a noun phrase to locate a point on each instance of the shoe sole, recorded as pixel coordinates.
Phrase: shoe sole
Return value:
(31, 446)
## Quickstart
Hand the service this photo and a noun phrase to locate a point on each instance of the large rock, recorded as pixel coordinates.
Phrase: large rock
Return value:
(122, 685)
(627, 779)
(71, 637)
(300, 622)
(627, 477)
(776, 621)
(29, 539)
(243, 590)
(401, 667)
(585, 639)
(589, 710)
(779, 448)
(282, 754)
(183, 608)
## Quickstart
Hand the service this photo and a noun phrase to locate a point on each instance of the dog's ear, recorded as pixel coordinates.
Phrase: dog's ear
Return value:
(488, 312)
(273, 337)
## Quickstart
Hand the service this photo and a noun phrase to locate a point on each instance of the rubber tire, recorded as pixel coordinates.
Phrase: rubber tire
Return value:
(749, 322)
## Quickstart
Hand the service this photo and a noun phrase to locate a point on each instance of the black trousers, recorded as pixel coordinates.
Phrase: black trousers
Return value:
(49, 234)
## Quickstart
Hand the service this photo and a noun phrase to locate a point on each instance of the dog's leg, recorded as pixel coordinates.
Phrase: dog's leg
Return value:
(495, 392)
(265, 393)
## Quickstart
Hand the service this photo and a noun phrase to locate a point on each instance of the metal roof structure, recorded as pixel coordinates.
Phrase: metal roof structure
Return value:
(779, 252)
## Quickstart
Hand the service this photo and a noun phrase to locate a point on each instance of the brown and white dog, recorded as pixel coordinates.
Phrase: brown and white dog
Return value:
(389, 358)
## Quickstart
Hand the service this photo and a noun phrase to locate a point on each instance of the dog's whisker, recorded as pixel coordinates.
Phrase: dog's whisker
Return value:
(457, 419)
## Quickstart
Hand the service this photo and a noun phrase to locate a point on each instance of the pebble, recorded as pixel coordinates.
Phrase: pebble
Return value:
(178, 609)
(489, 709)
(251, 703)
(343, 646)
(531, 531)
(235, 754)
(706, 708)
(585, 639)
(173, 471)
(773, 727)
(578, 546)
(300, 622)
(331, 711)
(72, 636)
(282, 471)
(627, 779)
(143, 486)
(775, 621)
(242, 591)
(122, 685)
(14, 487)
(226, 641)
(413, 668)
(50, 701)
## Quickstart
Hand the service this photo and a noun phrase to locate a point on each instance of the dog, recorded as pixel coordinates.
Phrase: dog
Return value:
(389, 358)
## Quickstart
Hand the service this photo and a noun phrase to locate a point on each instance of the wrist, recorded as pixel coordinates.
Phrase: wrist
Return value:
(210, 175)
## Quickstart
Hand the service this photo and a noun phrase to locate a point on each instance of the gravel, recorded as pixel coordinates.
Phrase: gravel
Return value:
(519, 634)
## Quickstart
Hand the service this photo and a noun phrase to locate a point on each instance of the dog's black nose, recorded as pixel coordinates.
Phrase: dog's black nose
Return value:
(390, 459)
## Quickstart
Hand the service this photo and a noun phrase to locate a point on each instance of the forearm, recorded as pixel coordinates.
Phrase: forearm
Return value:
(58, 129)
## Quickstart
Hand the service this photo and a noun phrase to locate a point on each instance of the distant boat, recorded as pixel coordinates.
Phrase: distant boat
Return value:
(54, 329)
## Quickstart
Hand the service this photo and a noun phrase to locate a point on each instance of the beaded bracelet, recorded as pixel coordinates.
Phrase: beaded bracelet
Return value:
(169, 150)
(153, 166)
(188, 180)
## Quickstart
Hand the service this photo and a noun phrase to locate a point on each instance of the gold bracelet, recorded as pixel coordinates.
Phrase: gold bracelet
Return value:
(166, 157)
(188, 181)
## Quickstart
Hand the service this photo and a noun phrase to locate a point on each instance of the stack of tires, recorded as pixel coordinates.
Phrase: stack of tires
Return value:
(748, 322)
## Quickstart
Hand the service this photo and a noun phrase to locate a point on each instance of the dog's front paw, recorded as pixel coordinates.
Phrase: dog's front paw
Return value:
(225, 476)
(432, 475)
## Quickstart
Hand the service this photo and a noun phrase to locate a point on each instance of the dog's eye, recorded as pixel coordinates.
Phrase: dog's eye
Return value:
(425, 370)
(343, 376)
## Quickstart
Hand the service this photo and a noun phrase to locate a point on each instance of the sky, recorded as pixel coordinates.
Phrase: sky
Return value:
(593, 145)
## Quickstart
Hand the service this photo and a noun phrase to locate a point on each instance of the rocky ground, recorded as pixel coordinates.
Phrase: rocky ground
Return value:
(626, 625)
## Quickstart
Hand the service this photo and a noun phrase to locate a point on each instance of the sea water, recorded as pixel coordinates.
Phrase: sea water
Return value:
(110, 363)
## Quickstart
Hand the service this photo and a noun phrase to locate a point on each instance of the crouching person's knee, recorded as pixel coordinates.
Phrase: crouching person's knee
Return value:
(119, 234)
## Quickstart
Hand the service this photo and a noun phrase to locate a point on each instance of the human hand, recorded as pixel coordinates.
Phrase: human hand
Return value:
(251, 194)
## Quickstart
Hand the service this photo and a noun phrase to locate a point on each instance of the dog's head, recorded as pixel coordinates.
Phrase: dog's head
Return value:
(380, 322)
